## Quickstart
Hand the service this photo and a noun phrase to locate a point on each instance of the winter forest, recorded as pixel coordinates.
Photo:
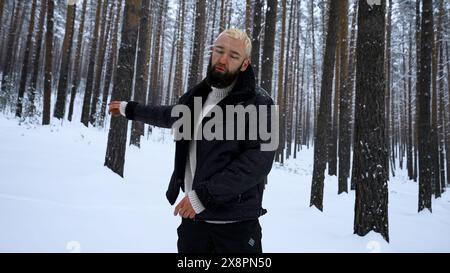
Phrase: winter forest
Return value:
(362, 86)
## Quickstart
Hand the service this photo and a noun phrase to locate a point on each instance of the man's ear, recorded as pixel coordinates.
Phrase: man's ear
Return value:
(245, 64)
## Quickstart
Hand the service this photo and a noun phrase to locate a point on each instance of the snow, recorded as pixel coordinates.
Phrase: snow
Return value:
(56, 196)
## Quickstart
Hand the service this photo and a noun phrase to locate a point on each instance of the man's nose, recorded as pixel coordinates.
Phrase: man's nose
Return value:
(223, 59)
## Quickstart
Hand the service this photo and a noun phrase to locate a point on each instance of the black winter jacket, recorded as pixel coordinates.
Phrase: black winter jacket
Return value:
(230, 175)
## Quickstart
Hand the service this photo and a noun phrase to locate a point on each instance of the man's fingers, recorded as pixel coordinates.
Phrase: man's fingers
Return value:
(177, 208)
(182, 212)
(192, 215)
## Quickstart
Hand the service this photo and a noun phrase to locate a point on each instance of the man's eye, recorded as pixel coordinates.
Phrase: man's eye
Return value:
(234, 57)
(219, 51)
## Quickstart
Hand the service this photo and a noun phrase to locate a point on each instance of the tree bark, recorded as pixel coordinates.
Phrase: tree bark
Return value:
(91, 68)
(26, 60)
(424, 126)
(123, 85)
(268, 46)
(371, 202)
(77, 66)
(66, 50)
(321, 136)
(48, 63)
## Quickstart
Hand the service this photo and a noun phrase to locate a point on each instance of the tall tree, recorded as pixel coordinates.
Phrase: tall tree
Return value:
(142, 68)
(416, 134)
(314, 66)
(66, 50)
(199, 36)
(99, 63)
(26, 60)
(279, 155)
(36, 60)
(13, 34)
(248, 18)
(388, 101)
(321, 135)
(344, 101)
(110, 65)
(256, 36)
(155, 86)
(123, 85)
(77, 66)
(180, 48)
(424, 126)
(268, 46)
(91, 68)
(48, 63)
(371, 200)
(409, 153)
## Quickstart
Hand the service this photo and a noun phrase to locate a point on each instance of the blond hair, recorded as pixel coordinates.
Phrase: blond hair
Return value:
(242, 36)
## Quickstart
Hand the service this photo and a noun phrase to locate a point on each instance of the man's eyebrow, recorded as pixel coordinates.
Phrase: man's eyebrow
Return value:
(232, 51)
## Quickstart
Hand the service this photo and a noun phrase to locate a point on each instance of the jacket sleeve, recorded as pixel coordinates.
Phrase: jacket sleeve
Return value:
(159, 116)
(250, 168)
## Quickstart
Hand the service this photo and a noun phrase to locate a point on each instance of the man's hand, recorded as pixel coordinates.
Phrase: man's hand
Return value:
(185, 209)
(114, 108)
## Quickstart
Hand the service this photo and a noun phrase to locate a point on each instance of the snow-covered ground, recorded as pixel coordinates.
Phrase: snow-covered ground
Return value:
(56, 196)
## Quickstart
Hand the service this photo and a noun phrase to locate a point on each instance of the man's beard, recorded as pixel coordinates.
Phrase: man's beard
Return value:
(220, 79)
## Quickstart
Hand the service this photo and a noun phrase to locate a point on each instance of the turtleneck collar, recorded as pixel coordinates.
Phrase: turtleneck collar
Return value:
(220, 93)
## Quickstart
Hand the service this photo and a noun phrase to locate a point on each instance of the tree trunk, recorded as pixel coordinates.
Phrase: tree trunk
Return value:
(195, 72)
(256, 36)
(416, 134)
(424, 126)
(66, 50)
(248, 19)
(371, 203)
(36, 61)
(321, 136)
(409, 153)
(434, 143)
(334, 116)
(48, 63)
(352, 72)
(180, 61)
(314, 66)
(91, 68)
(8, 69)
(345, 103)
(26, 60)
(268, 46)
(99, 64)
(388, 64)
(142, 68)
(279, 155)
(155, 87)
(123, 85)
(110, 66)
(77, 66)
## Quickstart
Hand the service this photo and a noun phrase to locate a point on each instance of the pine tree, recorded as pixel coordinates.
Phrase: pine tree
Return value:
(48, 63)
(77, 66)
(371, 201)
(321, 135)
(26, 60)
(123, 84)
(66, 50)
(268, 46)
(424, 96)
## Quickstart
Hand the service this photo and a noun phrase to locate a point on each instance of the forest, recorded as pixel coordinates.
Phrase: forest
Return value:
(364, 83)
